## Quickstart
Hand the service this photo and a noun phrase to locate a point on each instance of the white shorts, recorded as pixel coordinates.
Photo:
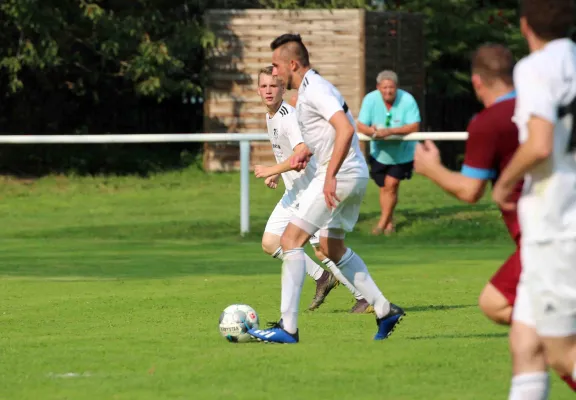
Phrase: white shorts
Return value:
(314, 211)
(547, 289)
(280, 218)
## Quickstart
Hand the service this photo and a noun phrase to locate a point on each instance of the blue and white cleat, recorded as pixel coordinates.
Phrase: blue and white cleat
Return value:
(274, 334)
(387, 323)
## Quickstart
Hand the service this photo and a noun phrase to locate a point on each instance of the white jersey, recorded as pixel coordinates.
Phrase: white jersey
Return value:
(318, 101)
(285, 135)
(546, 87)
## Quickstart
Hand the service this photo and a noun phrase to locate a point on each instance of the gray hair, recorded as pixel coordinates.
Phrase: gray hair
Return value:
(387, 75)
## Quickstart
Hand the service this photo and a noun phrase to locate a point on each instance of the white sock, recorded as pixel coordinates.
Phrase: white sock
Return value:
(293, 273)
(529, 386)
(354, 269)
(312, 269)
(338, 274)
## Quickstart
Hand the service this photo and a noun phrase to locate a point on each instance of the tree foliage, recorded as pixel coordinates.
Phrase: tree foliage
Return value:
(153, 47)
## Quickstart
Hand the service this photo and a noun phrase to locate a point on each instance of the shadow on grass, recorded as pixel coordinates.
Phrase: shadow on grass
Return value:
(494, 335)
(412, 215)
(439, 307)
(416, 308)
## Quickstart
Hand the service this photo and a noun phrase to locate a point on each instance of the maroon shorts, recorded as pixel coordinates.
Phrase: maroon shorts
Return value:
(506, 279)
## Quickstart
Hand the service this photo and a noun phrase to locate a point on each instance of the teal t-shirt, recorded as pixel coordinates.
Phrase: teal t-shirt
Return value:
(404, 111)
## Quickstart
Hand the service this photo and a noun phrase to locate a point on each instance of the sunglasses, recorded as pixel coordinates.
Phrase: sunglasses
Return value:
(388, 120)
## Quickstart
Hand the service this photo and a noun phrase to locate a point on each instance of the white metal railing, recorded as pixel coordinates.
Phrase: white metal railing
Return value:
(243, 138)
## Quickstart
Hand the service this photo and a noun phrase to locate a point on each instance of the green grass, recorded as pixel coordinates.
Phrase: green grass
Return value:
(120, 281)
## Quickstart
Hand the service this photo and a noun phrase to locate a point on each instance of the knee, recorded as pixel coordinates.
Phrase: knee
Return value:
(270, 245)
(499, 312)
(289, 242)
(526, 349)
(390, 189)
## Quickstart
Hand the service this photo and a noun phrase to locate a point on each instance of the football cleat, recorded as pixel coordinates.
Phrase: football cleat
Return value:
(275, 334)
(322, 290)
(387, 323)
(362, 307)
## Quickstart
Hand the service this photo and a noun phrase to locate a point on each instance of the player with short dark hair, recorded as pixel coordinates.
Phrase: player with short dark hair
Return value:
(330, 205)
(492, 141)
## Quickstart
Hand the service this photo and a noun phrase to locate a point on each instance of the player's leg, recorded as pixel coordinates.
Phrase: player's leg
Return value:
(296, 234)
(322, 277)
(293, 273)
(361, 305)
(275, 226)
(498, 296)
(529, 372)
(328, 281)
(494, 305)
(355, 270)
(552, 288)
(350, 264)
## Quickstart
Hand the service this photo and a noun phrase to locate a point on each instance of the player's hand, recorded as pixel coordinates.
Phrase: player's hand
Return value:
(272, 181)
(426, 156)
(501, 196)
(261, 171)
(299, 161)
(330, 193)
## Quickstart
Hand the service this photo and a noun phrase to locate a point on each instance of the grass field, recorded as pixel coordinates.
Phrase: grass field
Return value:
(112, 289)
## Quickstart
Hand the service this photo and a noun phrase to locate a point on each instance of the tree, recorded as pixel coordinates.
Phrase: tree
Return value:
(153, 47)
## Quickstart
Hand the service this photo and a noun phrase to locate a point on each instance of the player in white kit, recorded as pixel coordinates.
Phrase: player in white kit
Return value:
(545, 113)
(285, 138)
(330, 204)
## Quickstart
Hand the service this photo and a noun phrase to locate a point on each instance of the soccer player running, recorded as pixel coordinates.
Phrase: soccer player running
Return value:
(331, 202)
(285, 137)
(545, 110)
(492, 141)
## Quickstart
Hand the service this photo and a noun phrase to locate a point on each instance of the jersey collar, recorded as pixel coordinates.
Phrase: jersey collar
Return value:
(507, 96)
(306, 80)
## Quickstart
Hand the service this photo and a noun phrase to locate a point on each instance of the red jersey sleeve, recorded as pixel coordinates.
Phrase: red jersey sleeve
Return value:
(480, 156)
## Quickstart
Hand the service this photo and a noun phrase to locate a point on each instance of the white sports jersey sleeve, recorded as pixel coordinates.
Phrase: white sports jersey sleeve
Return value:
(292, 129)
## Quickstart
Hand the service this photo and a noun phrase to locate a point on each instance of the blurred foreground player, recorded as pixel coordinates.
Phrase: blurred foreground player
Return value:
(492, 141)
(545, 114)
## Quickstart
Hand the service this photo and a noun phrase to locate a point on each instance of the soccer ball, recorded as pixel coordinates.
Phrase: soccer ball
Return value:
(236, 320)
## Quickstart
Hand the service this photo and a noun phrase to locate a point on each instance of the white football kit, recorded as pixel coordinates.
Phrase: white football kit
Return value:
(318, 101)
(285, 135)
(545, 82)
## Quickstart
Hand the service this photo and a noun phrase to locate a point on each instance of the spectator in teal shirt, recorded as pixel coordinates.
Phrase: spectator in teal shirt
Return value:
(389, 111)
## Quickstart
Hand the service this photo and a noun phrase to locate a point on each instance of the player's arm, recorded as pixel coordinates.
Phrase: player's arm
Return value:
(535, 98)
(342, 142)
(291, 129)
(262, 171)
(468, 185)
(329, 107)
